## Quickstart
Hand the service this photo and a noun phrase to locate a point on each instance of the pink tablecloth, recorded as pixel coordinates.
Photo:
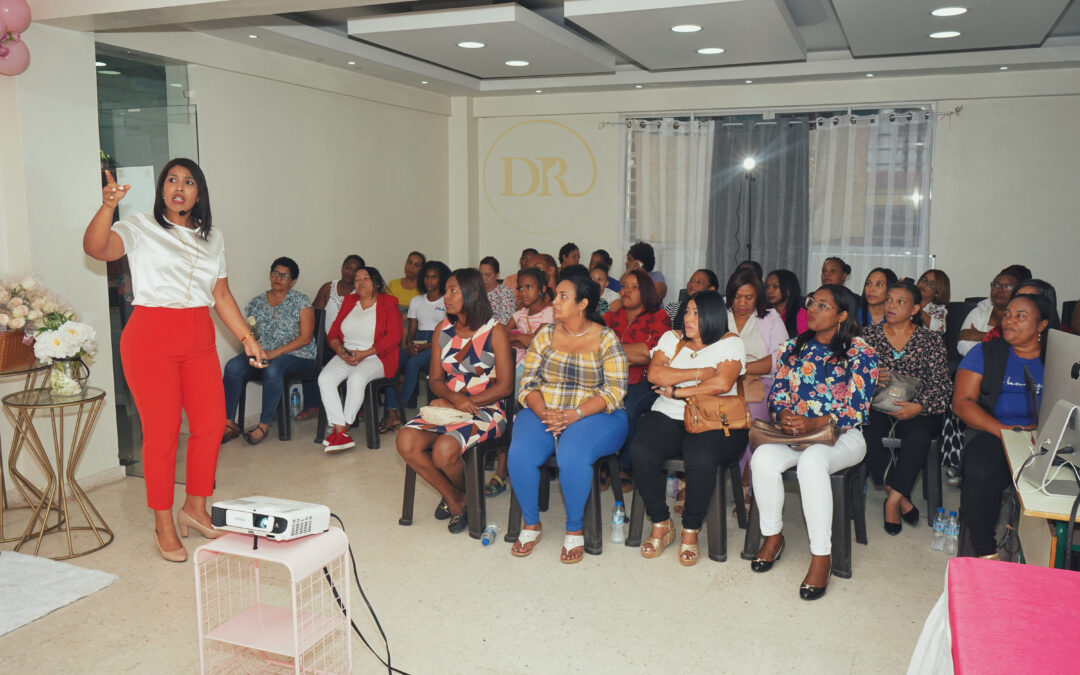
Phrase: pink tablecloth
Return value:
(1010, 618)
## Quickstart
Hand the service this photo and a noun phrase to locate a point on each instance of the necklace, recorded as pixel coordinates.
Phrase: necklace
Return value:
(192, 260)
(588, 327)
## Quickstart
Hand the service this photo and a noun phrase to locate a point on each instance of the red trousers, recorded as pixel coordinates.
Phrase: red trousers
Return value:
(171, 364)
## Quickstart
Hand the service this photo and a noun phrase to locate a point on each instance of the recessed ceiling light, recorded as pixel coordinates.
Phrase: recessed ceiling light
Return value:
(99, 64)
(710, 50)
(869, 74)
(469, 44)
(539, 91)
(637, 86)
(253, 36)
(352, 63)
(685, 28)
(517, 63)
(749, 81)
(943, 34)
(176, 84)
(949, 11)
(423, 82)
(1003, 68)
(108, 72)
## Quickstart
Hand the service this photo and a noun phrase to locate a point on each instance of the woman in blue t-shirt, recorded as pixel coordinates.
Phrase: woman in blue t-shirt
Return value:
(992, 394)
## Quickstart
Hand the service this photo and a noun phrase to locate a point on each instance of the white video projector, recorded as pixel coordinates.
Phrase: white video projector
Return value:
(270, 517)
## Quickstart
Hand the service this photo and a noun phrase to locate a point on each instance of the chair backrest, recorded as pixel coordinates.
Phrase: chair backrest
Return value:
(975, 298)
(320, 338)
(1067, 309)
(954, 323)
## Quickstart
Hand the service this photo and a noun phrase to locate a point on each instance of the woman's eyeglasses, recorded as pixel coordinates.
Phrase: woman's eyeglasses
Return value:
(280, 275)
(821, 306)
(995, 286)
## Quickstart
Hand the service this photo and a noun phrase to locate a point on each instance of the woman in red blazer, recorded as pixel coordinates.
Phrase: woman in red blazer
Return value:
(365, 337)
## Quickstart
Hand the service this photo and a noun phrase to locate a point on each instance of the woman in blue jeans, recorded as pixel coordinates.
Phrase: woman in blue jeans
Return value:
(426, 312)
(284, 327)
(572, 389)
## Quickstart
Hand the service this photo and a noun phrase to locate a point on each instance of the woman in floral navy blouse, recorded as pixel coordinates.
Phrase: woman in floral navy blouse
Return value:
(827, 374)
(902, 346)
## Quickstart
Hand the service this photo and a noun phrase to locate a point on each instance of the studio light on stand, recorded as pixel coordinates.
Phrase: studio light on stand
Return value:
(748, 165)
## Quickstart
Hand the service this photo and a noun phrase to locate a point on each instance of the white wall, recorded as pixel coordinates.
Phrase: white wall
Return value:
(1004, 179)
(50, 119)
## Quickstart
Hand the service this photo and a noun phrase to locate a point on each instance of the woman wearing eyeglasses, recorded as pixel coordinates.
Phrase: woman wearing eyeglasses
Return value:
(827, 374)
(284, 327)
(989, 311)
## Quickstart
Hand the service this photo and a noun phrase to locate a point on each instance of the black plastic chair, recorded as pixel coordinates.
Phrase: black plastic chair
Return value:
(849, 505)
(592, 526)
(931, 477)
(715, 519)
(975, 299)
(1067, 309)
(370, 409)
(284, 420)
(954, 323)
(474, 458)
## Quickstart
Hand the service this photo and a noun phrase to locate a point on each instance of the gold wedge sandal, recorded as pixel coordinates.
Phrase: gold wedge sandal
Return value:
(688, 548)
(658, 544)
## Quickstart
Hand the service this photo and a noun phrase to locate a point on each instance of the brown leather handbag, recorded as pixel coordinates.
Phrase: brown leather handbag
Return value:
(709, 413)
(766, 432)
(754, 387)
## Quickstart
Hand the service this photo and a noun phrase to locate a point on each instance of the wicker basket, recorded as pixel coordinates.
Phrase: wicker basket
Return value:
(14, 355)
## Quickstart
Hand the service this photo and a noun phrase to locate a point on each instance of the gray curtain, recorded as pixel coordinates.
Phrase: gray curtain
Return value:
(777, 221)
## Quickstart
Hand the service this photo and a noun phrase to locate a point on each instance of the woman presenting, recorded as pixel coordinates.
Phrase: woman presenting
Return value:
(167, 348)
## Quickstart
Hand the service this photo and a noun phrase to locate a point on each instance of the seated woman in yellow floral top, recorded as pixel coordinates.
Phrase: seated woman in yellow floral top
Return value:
(827, 374)
(572, 390)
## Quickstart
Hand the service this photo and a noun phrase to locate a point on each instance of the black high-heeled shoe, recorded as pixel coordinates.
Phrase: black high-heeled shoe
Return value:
(808, 592)
(762, 565)
(912, 516)
(891, 528)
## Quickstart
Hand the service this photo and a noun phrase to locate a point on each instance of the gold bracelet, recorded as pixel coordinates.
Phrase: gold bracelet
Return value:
(245, 337)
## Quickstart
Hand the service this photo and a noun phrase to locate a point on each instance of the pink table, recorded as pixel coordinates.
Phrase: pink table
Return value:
(1011, 618)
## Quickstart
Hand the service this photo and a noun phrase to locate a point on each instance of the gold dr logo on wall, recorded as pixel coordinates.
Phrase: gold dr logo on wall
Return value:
(535, 174)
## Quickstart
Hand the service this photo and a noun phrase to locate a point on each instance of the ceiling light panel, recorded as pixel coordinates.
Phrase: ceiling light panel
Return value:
(887, 27)
(749, 31)
(510, 33)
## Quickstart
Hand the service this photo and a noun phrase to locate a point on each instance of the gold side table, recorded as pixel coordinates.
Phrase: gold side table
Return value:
(30, 493)
(21, 407)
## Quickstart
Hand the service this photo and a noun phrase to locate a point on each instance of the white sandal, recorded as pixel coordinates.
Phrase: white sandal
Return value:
(527, 537)
(571, 542)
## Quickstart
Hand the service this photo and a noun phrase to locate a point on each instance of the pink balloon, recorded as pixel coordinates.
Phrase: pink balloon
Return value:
(15, 14)
(17, 60)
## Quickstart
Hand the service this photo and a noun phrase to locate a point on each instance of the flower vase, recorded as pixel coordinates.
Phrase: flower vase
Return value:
(68, 377)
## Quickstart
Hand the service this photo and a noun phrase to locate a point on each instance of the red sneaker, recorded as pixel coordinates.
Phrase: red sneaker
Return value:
(337, 442)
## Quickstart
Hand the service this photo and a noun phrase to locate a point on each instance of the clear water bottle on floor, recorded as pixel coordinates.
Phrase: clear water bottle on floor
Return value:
(937, 543)
(672, 485)
(952, 534)
(491, 532)
(618, 520)
(295, 403)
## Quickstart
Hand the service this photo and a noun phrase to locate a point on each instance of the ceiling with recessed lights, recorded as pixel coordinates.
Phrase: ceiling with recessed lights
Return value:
(594, 45)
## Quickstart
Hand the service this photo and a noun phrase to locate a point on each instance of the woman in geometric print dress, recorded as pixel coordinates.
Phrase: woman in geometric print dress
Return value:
(472, 347)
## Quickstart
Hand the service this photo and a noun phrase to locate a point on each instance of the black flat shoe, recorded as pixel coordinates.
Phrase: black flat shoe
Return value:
(911, 517)
(762, 565)
(808, 592)
(459, 522)
(442, 511)
(892, 528)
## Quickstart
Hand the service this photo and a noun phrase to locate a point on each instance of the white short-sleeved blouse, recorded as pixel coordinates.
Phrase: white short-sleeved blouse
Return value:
(726, 349)
(171, 267)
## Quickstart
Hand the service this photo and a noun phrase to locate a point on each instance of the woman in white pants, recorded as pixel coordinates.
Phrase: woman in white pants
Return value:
(826, 374)
(365, 338)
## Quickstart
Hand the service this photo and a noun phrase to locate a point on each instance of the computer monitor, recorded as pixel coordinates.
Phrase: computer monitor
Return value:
(1061, 378)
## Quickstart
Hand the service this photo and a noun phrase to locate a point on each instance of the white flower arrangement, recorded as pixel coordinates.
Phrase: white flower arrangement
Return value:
(26, 303)
(68, 340)
(253, 327)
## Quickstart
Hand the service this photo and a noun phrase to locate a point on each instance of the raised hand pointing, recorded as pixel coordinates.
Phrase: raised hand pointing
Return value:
(112, 193)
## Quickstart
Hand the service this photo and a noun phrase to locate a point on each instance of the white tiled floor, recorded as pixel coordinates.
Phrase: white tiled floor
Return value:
(450, 605)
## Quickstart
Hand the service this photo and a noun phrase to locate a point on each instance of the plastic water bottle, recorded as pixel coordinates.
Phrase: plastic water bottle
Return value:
(937, 543)
(952, 534)
(295, 403)
(618, 520)
(672, 485)
(491, 532)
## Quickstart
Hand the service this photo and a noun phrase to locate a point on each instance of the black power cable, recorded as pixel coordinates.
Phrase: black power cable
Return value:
(333, 589)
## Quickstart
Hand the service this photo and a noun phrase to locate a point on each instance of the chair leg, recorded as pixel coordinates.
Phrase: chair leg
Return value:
(284, 419)
(752, 542)
(546, 476)
(841, 528)
(857, 502)
(637, 519)
(242, 405)
(474, 492)
(321, 422)
(593, 524)
(408, 497)
(371, 429)
(737, 494)
(513, 524)
(932, 481)
(716, 519)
